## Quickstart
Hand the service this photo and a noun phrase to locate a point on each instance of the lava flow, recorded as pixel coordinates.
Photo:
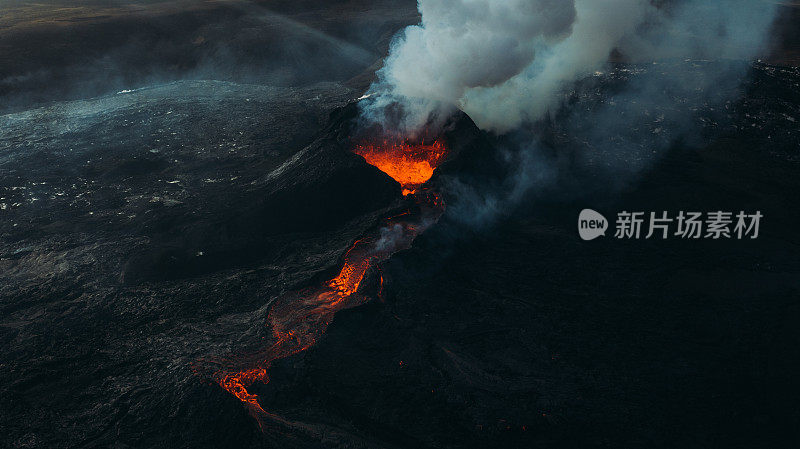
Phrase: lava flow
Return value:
(298, 319)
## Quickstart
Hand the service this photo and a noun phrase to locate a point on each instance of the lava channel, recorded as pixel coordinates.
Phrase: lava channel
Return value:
(298, 319)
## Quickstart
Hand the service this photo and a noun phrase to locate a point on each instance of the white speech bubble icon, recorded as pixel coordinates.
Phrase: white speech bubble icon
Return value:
(591, 224)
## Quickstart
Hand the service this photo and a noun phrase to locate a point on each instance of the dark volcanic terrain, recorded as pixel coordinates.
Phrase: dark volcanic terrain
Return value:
(65, 49)
(146, 230)
(162, 185)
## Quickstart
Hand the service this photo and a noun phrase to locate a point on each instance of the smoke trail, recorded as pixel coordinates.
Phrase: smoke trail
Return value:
(506, 63)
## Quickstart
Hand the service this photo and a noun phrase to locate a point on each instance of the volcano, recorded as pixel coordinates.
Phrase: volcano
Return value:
(296, 320)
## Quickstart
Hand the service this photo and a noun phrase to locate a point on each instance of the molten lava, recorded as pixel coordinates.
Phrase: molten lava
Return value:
(298, 319)
(410, 165)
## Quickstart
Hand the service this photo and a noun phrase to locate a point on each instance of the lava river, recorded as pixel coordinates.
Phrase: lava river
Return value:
(298, 319)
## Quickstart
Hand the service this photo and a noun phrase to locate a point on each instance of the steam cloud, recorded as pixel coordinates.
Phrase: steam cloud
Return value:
(506, 62)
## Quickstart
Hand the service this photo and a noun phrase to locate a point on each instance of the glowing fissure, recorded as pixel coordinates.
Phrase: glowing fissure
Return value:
(298, 319)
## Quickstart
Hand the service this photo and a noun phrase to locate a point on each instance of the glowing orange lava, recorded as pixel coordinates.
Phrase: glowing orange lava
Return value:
(298, 319)
(410, 165)
(237, 383)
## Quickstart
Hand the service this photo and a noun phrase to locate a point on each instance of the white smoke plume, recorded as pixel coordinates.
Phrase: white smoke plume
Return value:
(506, 62)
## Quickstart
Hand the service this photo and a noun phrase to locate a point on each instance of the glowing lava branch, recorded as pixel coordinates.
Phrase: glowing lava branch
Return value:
(410, 165)
(299, 319)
